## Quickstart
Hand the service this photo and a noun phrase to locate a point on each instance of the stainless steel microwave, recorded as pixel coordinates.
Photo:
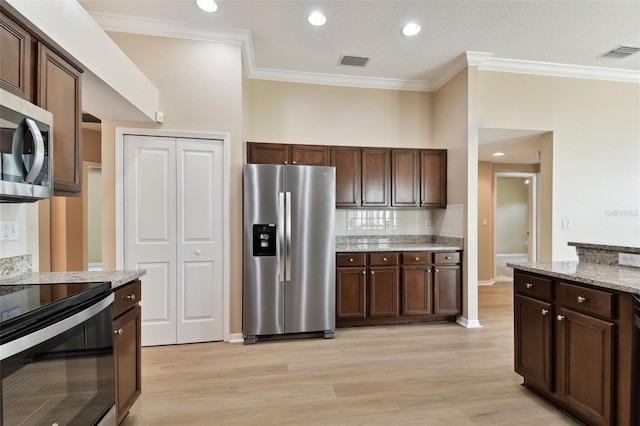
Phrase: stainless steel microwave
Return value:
(26, 150)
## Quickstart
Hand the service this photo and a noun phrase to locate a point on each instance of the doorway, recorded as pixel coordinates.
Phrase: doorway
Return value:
(92, 175)
(515, 222)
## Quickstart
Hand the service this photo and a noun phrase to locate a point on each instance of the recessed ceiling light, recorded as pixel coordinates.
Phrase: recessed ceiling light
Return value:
(317, 19)
(207, 5)
(498, 154)
(411, 29)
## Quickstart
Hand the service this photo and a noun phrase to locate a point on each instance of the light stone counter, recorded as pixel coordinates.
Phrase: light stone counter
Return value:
(373, 247)
(116, 278)
(373, 243)
(621, 278)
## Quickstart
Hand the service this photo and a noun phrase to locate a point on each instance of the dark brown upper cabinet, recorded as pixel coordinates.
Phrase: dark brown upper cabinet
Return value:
(405, 178)
(433, 178)
(347, 161)
(273, 153)
(375, 177)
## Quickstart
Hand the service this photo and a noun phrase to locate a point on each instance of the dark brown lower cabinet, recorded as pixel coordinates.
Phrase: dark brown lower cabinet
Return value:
(573, 345)
(127, 347)
(397, 287)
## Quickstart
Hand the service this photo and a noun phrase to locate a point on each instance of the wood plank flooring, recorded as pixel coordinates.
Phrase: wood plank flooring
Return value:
(431, 374)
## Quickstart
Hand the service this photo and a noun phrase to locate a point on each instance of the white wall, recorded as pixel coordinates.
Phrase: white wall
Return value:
(25, 215)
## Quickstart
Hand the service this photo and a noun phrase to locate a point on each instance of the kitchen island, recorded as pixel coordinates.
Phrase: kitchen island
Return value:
(576, 333)
(397, 279)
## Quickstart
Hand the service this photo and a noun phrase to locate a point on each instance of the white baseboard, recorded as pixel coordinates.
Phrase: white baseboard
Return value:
(236, 338)
(468, 324)
(487, 282)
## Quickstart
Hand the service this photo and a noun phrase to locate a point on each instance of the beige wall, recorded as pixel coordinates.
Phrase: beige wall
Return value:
(485, 221)
(512, 215)
(594, 152)
(314, 114)
(200, 85)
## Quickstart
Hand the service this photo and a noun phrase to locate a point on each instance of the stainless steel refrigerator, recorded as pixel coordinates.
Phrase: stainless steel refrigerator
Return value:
(288, 282)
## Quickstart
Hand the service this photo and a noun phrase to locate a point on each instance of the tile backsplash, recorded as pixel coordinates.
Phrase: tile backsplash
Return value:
(441, 222)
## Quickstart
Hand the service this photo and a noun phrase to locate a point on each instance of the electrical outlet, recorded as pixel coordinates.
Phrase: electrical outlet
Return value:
(629, 259)
(387, 224)
(427, 224)
(8, 230)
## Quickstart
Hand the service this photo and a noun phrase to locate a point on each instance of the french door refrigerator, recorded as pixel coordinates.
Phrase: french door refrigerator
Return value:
(288, 252)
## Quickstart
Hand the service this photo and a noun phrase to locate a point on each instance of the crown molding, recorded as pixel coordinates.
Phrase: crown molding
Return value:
(484, 61)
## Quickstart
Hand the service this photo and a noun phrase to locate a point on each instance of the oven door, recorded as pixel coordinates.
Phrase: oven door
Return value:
(62, 373)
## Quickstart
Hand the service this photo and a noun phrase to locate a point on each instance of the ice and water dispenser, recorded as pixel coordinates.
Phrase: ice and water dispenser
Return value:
(264, 240)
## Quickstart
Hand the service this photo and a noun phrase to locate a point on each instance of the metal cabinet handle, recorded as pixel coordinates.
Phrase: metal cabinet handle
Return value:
(131, 297)
(198, 252)
(118, 331)
(286, 162)
(529, 285)
(437, 270)
(416, 258)
(560, 317)
(384, 259)
(581, 299)
(545, 311)
(351, 260)
(372, 273)
(428, 270)
(364, 272)
(448, 257)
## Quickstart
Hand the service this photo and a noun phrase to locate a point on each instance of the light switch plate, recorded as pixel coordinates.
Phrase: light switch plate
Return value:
(629, 259)
(8, 230)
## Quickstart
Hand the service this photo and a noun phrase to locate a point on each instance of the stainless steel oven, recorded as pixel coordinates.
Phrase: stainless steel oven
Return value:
(56, 357)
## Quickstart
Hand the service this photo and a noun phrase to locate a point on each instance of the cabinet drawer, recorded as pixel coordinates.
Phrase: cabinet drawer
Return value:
(532, 286)
(416, 257)
(586, 300)
(350, 259)
(126, 297)
(444, 258)
(383, 259)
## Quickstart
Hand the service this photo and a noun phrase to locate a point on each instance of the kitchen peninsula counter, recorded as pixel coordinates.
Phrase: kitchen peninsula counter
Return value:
(613, 277)
(116, 278)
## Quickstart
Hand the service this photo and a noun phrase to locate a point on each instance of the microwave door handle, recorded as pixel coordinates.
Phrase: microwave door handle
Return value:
(38, 160)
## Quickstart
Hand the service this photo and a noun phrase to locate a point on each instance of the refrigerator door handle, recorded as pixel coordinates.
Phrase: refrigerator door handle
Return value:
(281, 248)
(288, 237)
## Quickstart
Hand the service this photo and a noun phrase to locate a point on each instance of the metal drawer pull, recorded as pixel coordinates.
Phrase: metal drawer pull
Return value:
(372, 273)
(448, 257)
(131, 297)
(351, 260)
(581, 299)
(416, 258)
(118, 331)
(364, 272)
(560, 317)
(384, 259)
(294, 162)
(545, 311)
(437, 270)
(529, 285)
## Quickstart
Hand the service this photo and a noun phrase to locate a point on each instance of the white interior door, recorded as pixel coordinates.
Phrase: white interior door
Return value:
(199, 242)
(173, 228)
(150, 231)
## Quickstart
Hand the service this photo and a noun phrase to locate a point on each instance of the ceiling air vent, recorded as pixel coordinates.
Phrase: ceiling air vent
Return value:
(354, 61)
(621, 52)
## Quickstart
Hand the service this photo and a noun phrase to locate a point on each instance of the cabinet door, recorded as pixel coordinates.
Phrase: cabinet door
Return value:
(351, 293)
(348, 178)
(416, 290)
(16, 72)
(310, 155)
(126, 356)
(433, 177)
(532, 339)
(383, 291)
(446, 289)
(59, 92)
(405, 178)
(585, 365)
(375, 178)
(267, 153)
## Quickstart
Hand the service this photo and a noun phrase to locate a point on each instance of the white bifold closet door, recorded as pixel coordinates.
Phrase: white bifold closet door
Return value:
(173, 199)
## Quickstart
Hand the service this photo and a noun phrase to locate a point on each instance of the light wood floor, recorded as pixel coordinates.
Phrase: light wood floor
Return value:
(432, 374)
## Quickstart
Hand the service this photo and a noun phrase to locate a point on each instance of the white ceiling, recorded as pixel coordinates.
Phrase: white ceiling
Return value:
(561, 37)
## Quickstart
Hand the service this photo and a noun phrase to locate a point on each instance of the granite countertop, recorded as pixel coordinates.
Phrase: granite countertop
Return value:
(116, 278)
(614, 277)
(372, 247)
